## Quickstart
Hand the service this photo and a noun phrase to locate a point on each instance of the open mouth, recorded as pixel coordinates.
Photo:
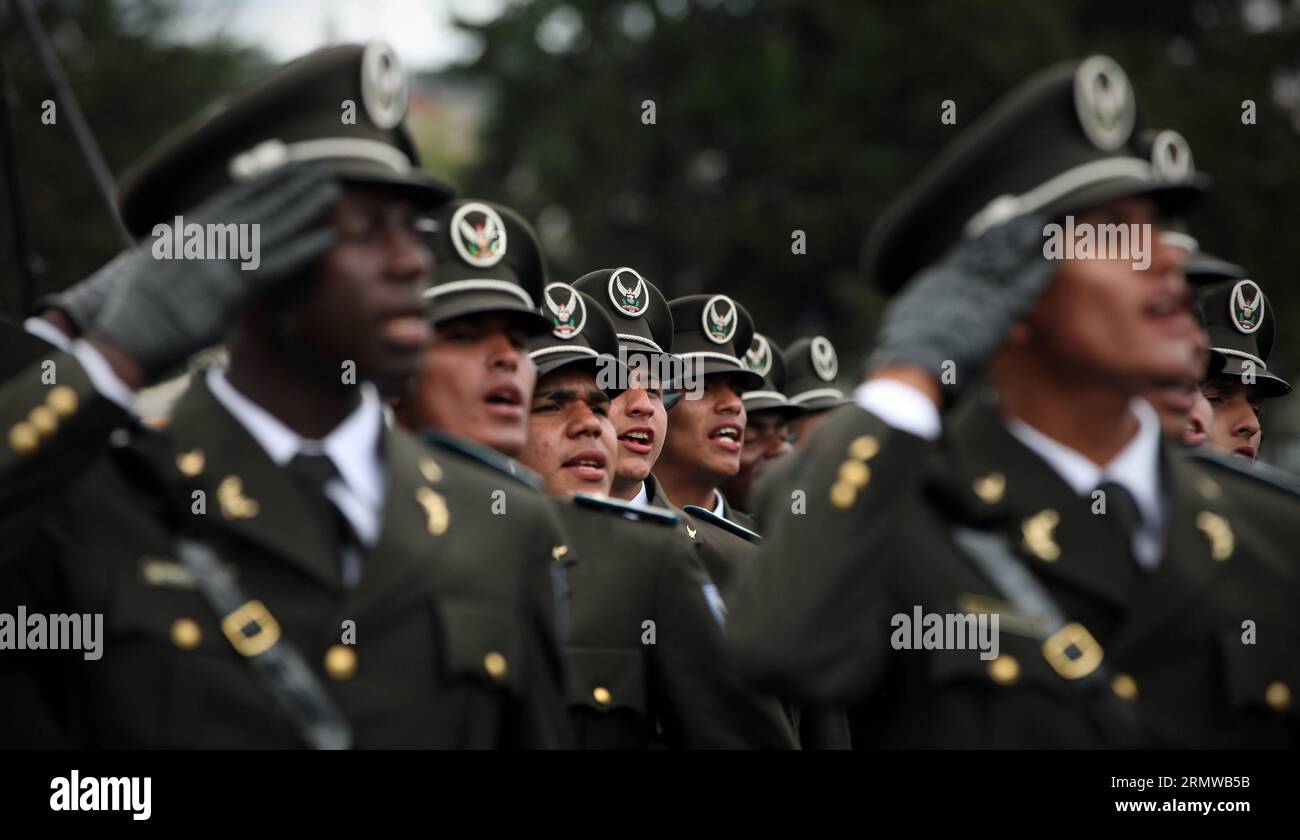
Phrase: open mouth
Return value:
(727, 436)
(1246, 451)
(638, 439)
(1195, 433)
(1171, 311)
(588, 465)
(505, 401)
(410, 332)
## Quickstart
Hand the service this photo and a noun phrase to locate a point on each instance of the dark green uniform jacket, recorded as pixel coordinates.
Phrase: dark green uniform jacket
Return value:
(454, 616)
(646, 660)
(814, 618)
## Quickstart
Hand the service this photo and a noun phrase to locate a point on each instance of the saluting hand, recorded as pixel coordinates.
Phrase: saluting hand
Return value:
(158, 312)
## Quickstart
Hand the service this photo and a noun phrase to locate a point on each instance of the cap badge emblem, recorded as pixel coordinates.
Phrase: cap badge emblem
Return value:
(478, 234)
(720, 319)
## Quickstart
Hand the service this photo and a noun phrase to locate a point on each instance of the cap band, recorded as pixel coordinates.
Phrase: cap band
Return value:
(578, 349)
(804, 396)
(273, 153)
(1006, 207)
(485, 284)
(763, 395)
(640, 339)
(1227, 351)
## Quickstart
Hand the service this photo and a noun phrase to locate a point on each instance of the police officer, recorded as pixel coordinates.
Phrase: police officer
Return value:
(1123, 577)
(1241, 324)
(644, 646)
(277, 568)
(768, 415)
(706, 428)
(812, 369)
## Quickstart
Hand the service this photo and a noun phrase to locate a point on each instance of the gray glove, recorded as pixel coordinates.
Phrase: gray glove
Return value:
(82, 302)
(960, 309)
(160, 312)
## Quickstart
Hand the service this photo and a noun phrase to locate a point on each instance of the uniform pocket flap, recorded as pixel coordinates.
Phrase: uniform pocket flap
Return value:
(606, 678)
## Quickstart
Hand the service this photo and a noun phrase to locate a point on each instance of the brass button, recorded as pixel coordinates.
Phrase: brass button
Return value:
(864, 448)
(1125, 687)
(843, 495)
(340, 662)
(430, 470)
(63, 400)
(1278, 696)
(23, 438)
(191, 463)
(495, 664)
(1209, 488)
(186, 634)
(602, 695)
(855, 473)
(1004, 670)
(44, 420)
(991, 487)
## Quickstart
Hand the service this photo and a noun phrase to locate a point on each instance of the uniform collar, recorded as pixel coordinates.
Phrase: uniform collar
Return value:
(353, 446)
(642, 498)
(719, 505)
(1136, 468)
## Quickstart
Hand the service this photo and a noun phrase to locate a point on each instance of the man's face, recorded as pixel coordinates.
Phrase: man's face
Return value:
(766, 438)
(707, 433)
(1185, 414)
(1237, 410)
(1104, 320)
(365, 304)
(475, 382)
(1183, 409)
(640, 422)
(571, 441)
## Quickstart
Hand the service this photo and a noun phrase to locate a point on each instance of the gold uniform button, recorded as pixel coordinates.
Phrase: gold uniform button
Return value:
(23, 438)
(430, 470)
(191, 463)
(864, 448)
(843, 495)
(1278, 696)
(602, 695)
(340, 662)
(186, 634)
(855, 473)
(63, 400)
(1004, 670)
(44, 420)
(1125, 687)
(495, 664)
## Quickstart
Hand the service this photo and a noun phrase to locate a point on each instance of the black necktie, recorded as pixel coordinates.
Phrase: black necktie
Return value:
(1122, 515)
(312, 473)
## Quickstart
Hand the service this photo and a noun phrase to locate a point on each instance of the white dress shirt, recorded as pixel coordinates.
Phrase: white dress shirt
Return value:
(1136, 467)
(353, 446)
(642, 498)
(718, 504)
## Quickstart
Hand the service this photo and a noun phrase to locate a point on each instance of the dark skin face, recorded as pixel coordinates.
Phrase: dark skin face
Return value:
(360, 305)
(367, 304)
(1237, 409)
(475, 381)
(766, 439)
(571, 441)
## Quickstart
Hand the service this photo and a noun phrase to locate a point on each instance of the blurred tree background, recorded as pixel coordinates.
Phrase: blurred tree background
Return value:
(770, 116)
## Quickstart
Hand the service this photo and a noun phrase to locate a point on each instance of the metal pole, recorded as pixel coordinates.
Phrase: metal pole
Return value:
(68, 104)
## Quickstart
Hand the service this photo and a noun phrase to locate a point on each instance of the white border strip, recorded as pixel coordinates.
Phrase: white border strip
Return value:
(801, 398)
(485, 284)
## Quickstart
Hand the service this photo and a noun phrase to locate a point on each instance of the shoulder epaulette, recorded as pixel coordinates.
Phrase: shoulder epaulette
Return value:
(636, 513)
(1265, 473)
(483, 454)
(711, 517)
